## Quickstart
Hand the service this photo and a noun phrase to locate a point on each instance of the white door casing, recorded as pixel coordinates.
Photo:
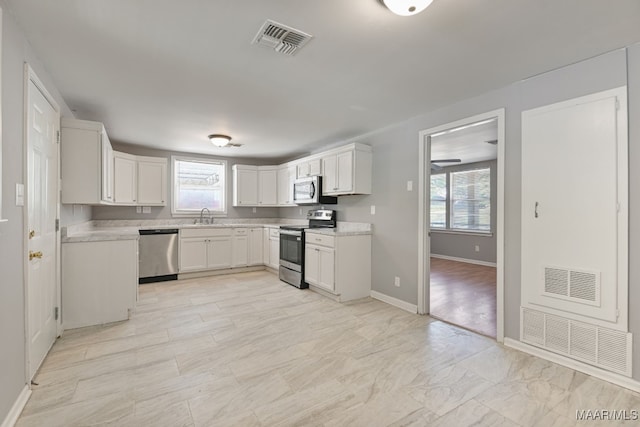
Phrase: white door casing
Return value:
(41, 258)
(424, 244)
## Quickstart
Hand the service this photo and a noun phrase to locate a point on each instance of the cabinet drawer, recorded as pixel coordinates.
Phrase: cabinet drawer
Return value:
(206, 232)
(240, 231)
(274, 233)
(320, 239)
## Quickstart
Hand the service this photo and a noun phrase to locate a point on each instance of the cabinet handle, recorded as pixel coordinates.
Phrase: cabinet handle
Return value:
(535, 210)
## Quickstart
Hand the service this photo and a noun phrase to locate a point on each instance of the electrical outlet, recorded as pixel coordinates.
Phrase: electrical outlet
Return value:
(373, 210)
(254, 210)
(409, 185)
(396, 282)
(300, 211)
(146, 209)
(477, 248)
(138, 209)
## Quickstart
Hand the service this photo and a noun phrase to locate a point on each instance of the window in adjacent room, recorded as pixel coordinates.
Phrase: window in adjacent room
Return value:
(461, 200)
(198, 184)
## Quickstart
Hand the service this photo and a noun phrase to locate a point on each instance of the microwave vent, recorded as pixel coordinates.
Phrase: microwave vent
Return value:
(281, 38)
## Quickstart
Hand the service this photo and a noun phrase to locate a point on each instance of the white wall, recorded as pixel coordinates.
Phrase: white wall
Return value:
(15, 52)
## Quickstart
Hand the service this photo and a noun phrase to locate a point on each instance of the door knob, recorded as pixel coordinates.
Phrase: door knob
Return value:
(33, 255)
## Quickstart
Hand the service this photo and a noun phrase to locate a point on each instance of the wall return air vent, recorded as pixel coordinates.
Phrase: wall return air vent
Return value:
(281, 38)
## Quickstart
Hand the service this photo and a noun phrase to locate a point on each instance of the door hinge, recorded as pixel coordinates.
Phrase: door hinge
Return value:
(56, 312)
(58, 137)
(617, 104)
(57, 224)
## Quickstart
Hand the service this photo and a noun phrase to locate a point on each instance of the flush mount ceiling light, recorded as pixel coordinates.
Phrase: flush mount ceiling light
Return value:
(220, 140)
(406, 7)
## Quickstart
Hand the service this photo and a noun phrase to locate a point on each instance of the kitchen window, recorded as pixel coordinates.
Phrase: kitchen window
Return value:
(198, 184)
(461, 200)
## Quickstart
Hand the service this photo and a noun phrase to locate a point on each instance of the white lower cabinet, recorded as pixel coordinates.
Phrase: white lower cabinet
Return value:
(99, 282)
(274, 248)
(255, 247)
(205, 249)
(339, 265)
(240, 253)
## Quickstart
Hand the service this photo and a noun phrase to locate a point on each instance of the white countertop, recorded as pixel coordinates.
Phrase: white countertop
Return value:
(92, 231)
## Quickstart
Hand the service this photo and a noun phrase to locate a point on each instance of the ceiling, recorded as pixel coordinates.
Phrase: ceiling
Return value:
(165, 74)
(468, 143)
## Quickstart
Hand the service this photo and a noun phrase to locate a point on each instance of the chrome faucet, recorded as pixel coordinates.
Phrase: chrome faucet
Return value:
(202, 216)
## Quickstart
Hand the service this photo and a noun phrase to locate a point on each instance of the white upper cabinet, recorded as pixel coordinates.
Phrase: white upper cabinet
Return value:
(255, 185)
(286, 178)
(267, 186)
(152, 181)
(125, 178)
(86, 163)
(347, 171)
(310, 167)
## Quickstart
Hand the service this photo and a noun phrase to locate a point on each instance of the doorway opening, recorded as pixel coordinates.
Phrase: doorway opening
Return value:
(461, 223)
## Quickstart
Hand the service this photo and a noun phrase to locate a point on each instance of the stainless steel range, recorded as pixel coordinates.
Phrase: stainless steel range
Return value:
(292, 245)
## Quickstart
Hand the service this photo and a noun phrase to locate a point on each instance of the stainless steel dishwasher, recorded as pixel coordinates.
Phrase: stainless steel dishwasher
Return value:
(158, 255)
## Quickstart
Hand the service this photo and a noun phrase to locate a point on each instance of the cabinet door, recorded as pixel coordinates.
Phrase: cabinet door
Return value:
(219, 252)
(246, 190)
(268, 187)
(152, 183)
(107, 168)
(193, 254)
(344, 176)
(240, 251)
(315, 167)
(283, 187)
(266, 246)
(326, 271)
(329, 177)
(311, 264)
(303, 170)
(274, 253)
(124, 167)
(255, 246)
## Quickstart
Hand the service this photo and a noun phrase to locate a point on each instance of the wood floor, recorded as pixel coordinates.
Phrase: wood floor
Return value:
(249, 350)
(464, 294)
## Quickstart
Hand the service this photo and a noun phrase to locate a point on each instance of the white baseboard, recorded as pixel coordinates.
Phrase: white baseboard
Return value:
(411, 308)
(468, 261)
(13, 415)
(611, 377)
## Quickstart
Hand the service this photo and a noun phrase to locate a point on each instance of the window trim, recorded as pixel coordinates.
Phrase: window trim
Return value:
(182, 214)
(449, 201)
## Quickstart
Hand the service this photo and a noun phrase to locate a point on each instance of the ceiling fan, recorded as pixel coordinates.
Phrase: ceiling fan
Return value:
(436, 167)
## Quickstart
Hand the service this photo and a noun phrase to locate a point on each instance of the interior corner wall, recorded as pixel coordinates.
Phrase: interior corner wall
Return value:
(15, 52)
(463, 245)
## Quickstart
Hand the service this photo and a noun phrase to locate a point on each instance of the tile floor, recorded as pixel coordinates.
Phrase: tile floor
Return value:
(249, 350)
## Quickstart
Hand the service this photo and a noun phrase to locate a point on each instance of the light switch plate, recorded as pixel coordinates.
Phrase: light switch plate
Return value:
(373, 210)
(19, 194)
(409, 185)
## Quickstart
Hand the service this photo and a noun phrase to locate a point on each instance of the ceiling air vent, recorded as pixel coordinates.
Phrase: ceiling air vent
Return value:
(281, 38)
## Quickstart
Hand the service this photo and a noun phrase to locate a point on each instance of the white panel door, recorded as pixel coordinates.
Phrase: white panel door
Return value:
(43, 124)
(329, 178)
(152, 182)
(125, 178)
(345, 171)
(193, 254)
(268, 186)
(255, 246)
(219, 252)
(573, 207)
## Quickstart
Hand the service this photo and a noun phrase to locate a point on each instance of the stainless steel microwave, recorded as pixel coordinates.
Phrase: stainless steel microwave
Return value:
(308, 191)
